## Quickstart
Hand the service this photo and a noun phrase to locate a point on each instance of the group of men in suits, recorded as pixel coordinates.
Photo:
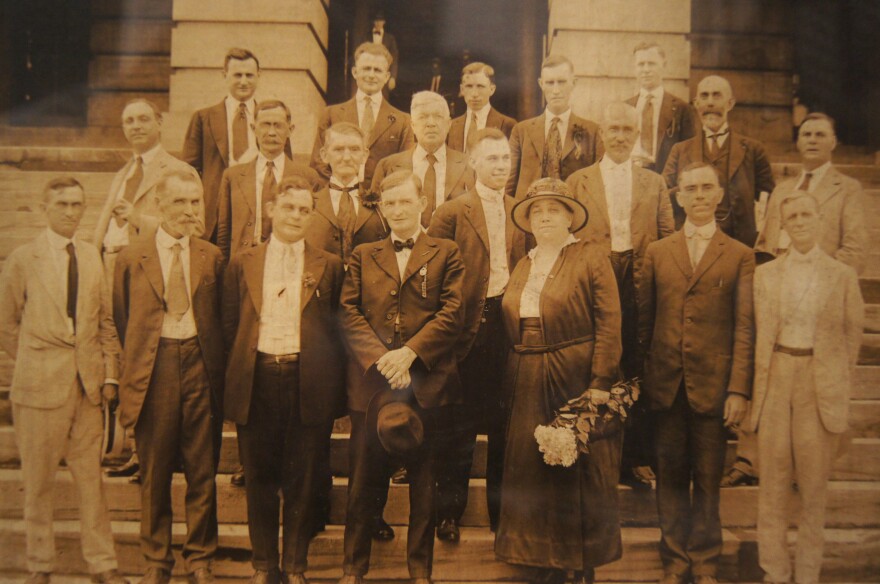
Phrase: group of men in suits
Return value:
(391, 255)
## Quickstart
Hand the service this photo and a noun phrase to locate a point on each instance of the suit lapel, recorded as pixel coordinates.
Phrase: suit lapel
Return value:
(153, 269)
(477, 219)
(47, 273)
(363, 215)
(712, 253)
(421, 254)
(737, 154)
(313, 271)
(219, 130)
(493, 120)
(510, 229)
(324, 206)
(152, 173)
(383, 122)
(536, 134)
(667, 115)
(551, 278)
(568, 142)
(254, 267)
(680, 253)
(828, 186)
(456, 165)
(596, 191)
(386, 259)
(197, 261)
(639, 188)
(247, 184)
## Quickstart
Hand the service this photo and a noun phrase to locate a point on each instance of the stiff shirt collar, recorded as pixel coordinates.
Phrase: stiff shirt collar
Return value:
(706, 231)
(608, 165)
(166, 240)
(488, 194)
(262, 161)
(796, 257)
(278, 246)
(414, 236)
(57, 241)
(817, 174)
(375, 99)
(724, 129)
(563, 121)
(420, 154)
(656, 93)
(148, 156)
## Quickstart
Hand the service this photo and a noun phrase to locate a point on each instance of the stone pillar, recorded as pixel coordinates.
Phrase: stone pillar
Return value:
(288, 36)
(599, 37)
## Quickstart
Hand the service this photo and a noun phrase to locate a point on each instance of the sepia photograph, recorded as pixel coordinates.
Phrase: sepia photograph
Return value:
(439, 291)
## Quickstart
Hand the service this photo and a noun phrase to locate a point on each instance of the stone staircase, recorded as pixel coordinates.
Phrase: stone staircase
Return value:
(853, 525)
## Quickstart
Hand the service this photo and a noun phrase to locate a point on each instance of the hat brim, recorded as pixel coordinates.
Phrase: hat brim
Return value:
(379, 400)
(520, 211)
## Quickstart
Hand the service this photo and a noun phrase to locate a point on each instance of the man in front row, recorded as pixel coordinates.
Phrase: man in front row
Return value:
(285, 380)
(166, 303)
(695, 314)
(55, 324)
(401, 312)
(808, 314)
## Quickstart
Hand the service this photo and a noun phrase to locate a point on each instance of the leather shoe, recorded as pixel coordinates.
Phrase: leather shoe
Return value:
(38, 578)
(237, 479)
(127, 469)
(109, 577)
(381, 530)
(351, 579)
(705, 580)
(156, 576)
(637, 478)
(448, 531)
(737, 478)
(201, 576)
(266, 577)
(298, 578)
(400, 477)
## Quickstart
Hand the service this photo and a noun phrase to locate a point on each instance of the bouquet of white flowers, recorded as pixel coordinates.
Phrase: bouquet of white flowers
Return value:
(581, 419)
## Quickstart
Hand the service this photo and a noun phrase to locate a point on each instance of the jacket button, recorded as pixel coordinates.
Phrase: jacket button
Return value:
(393, 292)
(689, 320)
(389, 316)
(249, 224)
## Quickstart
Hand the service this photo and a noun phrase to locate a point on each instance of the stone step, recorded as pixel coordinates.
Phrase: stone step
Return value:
(130, 72)
(105, 107)
(758, 52)
(850, 555)
(867, 383)
(141, 36)
(850, 503)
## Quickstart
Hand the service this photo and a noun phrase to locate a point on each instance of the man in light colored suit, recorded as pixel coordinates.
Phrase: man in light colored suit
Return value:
(843, 236)
(386, 127)
(166, 307)
(477, 86)
(281, 298)
(556, 143)
(246, 189)
(479, 222)
(443, 172)
(629, 208)
(664, 119)
(695, 314)
(809, 315)
(56, 325)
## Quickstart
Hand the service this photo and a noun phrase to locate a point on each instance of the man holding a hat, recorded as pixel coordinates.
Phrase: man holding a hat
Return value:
(401, 315)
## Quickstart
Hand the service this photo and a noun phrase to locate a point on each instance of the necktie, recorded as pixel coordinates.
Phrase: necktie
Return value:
(400, 245)
(346, 218)
(697, 248)
(429, 189)
(647, 137)
(268, 196)
(72, 282)
(713, 142)
(805, 184)
(240, 132)
(132, 184)
(552, 148)
(369, 118)
(472, 129)
(435, 83)
(177, 299)
(289, 259)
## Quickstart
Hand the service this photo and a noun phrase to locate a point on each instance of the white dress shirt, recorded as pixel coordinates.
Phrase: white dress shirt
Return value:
(799, 299)
(563, 123)
(116, 235)
(617, 179)
(724, 130)
(281, 313)
(482, 116)
(375, 99)
(698, 239)
(336, 195)
(403, 255)
(185, 328)
(530, 300)
(496, 224)
(420, 167)
(61, 261)
(232, 113)
(378, 34)
(262, 161)
(656, 102)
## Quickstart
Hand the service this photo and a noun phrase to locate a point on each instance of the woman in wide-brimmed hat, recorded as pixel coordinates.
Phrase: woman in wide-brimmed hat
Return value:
(562, 315)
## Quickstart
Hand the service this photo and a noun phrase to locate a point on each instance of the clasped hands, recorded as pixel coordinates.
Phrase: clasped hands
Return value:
(394, 366)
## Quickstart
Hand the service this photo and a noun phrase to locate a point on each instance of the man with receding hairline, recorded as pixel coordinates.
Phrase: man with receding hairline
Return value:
(477, 86)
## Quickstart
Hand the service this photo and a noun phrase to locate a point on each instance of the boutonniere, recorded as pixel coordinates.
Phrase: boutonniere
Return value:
(578, 135)
(424, 274)
(392, 118)
(309, 281)
(370, 200)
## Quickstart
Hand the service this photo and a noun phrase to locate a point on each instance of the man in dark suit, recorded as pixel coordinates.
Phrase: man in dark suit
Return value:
(285, 382)
(557, 142)
(477, 86)
(166, 303)
(443, 172)
(741, 162)
(222, 135)
(401, 313)
(664, 120)
(695, 314)
(479, 223)
(345, 217)
(386, 127)
(629, 208)
(246, 189)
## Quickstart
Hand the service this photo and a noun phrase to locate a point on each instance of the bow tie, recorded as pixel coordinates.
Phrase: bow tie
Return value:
(718, 135)
(335, 187)
(399, 245)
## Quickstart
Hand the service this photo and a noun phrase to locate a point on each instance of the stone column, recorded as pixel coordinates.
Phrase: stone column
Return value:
(289, 37)
(599, 38)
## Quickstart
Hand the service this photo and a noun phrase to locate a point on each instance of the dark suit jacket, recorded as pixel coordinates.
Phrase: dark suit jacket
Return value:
(373, 296)
(139, 307)
(462, 220)
(580, 148)
(678, 122)
(495, 119)
(651, 215)
(698, 322)
(321, 357)
(325, 233)
(748, 174)
(206, 148)
(459, 175)
(391, 133)
(238, 201)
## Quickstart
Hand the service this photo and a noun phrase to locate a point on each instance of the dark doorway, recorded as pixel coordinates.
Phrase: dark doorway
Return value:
(506, 34)
(46, 62)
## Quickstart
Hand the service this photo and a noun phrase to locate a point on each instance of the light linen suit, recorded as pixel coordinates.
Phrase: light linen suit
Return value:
(800, 407)
(56, 391)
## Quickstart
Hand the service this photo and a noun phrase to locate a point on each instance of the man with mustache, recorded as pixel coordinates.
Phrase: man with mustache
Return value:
(742, 164)
(166, 304)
